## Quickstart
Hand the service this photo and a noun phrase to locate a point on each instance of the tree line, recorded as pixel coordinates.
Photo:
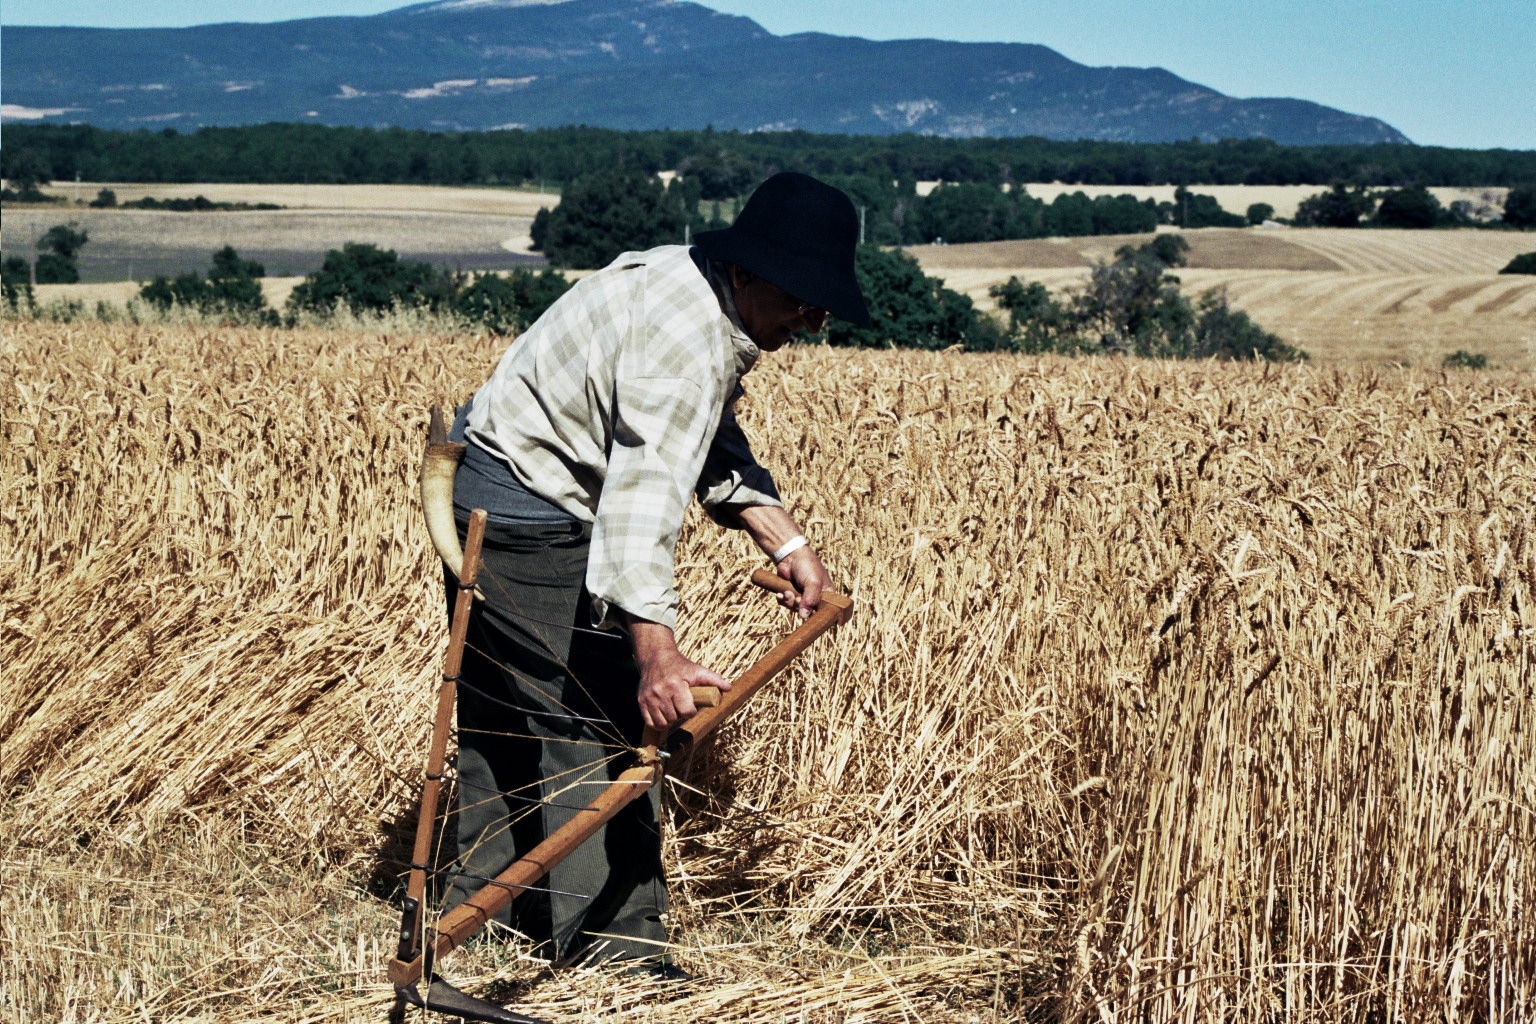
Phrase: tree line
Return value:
(1131, 306)
(725, 163)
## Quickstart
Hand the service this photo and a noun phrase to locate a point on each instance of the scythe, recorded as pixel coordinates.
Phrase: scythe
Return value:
(422, 946)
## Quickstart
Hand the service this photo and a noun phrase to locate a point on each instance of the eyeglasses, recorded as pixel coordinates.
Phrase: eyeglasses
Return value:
(814, 316)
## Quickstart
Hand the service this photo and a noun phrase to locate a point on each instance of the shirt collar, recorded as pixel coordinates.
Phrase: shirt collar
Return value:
(744, 350)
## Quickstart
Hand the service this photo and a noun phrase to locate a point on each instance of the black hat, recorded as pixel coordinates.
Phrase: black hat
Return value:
(797, 233)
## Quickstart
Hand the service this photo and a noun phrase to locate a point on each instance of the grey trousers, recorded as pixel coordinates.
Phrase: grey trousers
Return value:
(545, 716)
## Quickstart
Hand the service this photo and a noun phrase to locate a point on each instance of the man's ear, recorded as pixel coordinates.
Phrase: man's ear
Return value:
(740, 276)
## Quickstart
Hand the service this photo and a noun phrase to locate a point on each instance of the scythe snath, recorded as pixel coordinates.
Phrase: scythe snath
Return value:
(423, 945)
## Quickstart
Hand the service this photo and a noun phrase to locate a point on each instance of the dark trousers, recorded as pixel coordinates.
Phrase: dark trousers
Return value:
(546, 717)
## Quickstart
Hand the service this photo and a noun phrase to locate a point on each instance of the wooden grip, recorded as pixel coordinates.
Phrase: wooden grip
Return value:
(770, 580)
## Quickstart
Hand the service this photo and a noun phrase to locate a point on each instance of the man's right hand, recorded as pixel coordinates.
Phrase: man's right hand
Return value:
(665, 675)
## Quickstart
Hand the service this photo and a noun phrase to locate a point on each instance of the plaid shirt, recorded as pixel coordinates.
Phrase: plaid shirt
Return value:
(616, 404)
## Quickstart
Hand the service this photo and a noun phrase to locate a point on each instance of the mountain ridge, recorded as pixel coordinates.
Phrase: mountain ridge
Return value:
(485, 64)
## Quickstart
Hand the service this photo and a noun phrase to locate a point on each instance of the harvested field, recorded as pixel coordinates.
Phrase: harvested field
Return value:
(1340, 294)
(1175, 692)
(1351, 250)
(500, 202)
(138, 244)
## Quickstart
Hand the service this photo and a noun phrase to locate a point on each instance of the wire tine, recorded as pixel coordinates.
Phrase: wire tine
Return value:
(512, 604)
(509, 795)
(518, 707)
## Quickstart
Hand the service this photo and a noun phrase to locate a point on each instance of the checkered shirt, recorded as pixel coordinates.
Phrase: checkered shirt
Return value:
(615, 405)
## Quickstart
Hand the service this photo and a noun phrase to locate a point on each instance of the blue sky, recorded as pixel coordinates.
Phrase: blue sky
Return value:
(1444, 72)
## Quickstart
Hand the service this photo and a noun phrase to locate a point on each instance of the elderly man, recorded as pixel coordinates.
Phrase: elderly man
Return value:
(583, 448)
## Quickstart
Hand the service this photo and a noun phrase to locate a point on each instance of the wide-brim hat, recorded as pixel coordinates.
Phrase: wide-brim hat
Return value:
(800, 234)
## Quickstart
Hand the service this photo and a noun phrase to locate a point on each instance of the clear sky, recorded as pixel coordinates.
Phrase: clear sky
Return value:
(1444, 72)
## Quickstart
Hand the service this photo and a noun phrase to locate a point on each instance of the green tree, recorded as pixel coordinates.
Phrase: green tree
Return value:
(507, 305)
(1133, 306)
(1037, 323)
(909, 309)
(1070, 215)
(1258, 213)
(1414, 207)
(233, 287)
(1222, 332)
(1196, 210)
(104, 198)
(1339, 207)
(608, 213)
(1123, 215)
(365, 278)
(720, 173)
(27, 170)
(57, 249)
(15, 281)
(966, 213)
(1520, 207)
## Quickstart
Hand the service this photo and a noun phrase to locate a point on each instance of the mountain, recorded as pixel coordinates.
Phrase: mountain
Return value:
(480, 64)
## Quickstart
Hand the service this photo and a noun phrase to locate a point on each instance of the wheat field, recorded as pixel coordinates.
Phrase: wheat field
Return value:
(1175, 692)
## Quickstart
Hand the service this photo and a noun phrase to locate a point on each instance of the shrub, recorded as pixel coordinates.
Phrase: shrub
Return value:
(909, 309)
(1414, 207)
(1520, 207)
(1339, 207)
(53, 268)
(1525, 263)
(507, 305)
(365, 278)
(15, 281)
(1222, 332)
(1258, 213)
(1461, 359)
(1133, 306)
(1036, 322)
(105, 198)
(1194, 210)
(56, 254)
(233, 287)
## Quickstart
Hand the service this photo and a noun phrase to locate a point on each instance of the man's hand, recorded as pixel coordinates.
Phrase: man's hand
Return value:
(805, 571)
(773, 528)
(665, 675)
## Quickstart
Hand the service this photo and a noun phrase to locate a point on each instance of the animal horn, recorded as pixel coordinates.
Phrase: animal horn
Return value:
(439, 465)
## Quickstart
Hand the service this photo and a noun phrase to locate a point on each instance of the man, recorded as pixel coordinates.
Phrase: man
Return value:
(583, 448)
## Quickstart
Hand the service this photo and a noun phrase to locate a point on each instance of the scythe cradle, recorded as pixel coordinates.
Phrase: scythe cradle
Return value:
(420, 946)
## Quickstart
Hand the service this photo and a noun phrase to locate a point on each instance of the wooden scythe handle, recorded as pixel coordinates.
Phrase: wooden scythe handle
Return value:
(470, 916)
(447, 696)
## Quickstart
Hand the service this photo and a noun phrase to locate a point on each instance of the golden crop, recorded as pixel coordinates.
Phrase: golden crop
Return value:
(1174, 692)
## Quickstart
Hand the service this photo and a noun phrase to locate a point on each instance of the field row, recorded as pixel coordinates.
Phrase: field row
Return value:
(1347, 250)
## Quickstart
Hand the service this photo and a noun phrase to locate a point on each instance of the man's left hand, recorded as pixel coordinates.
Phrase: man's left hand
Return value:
(804, 569)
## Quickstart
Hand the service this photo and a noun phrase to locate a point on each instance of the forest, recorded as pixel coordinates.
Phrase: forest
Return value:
(725, 163)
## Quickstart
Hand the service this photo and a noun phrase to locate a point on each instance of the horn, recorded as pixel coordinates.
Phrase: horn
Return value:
(439, 465)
